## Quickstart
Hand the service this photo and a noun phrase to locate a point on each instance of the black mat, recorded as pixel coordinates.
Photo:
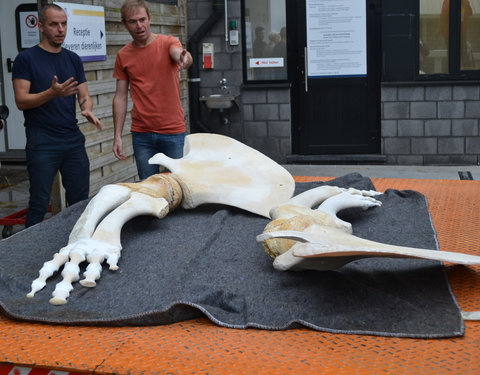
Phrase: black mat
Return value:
(206, 262)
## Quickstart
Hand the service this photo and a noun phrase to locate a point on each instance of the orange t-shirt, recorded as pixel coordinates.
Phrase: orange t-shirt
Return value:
(154, 86)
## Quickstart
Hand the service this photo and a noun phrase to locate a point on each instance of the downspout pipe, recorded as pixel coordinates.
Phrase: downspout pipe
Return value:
(193, 45)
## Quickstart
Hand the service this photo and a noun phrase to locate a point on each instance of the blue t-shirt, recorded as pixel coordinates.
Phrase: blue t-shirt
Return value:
(57, 116)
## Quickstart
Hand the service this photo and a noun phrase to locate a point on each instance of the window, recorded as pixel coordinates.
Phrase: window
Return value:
(265, 40)
(445, 49)
(431, 40)
(434, 37)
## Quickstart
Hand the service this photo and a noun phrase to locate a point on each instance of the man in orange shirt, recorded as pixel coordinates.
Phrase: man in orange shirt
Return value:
(150, 65)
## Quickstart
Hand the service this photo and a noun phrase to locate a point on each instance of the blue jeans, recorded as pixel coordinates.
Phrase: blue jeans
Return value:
(47, 154)
(145, 145)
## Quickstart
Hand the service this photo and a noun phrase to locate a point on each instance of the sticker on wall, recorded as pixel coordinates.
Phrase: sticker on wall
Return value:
(208, 55)
(29, 34)
(270, 62)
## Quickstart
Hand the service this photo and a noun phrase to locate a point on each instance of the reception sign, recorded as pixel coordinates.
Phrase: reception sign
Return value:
(85, 31)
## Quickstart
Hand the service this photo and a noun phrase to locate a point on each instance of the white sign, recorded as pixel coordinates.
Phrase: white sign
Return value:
(85, 31)
(29, 35)
(336, 38)
(268, 62)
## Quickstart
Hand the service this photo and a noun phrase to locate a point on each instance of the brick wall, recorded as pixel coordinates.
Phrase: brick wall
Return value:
(428, 125)
(267, 121)
(261, 116)
(421, 125)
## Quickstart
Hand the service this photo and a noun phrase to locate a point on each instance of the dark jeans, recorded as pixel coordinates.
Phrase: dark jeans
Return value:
(145, 145)
(47, 154)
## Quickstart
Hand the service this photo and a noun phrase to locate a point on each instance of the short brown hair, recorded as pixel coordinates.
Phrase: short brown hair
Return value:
(42, 14)
(132, 5)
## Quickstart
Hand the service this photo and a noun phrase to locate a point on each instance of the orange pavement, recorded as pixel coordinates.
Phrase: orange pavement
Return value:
(200, 347)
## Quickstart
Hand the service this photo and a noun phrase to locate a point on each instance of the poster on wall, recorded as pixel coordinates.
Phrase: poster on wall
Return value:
(336, 38)
(85, 31)
(29, 35)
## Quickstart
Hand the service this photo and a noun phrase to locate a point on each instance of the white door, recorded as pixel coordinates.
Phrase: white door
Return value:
(12, 137)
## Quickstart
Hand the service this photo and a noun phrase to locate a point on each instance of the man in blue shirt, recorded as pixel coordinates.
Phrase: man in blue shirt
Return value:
(46, 80)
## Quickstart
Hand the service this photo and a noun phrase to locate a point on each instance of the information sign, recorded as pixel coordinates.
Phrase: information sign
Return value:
(29, 35)
(336, 38)
(85, 31)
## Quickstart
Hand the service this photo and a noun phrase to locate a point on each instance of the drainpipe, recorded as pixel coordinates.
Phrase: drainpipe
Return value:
(194, 70)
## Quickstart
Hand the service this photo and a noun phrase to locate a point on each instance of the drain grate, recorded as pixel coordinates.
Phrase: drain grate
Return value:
(465, 175)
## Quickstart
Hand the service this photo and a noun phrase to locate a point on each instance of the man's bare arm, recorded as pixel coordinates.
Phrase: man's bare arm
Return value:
(27, 100)
(86, 105)
(120, 101)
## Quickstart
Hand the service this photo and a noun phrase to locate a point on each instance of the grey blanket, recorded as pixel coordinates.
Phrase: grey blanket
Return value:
(206, 262)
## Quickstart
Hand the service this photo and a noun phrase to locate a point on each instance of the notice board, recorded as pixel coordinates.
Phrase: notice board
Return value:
(336, 38)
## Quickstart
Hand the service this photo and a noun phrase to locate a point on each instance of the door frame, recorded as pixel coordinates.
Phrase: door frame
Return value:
(12, 136)
(297, 16)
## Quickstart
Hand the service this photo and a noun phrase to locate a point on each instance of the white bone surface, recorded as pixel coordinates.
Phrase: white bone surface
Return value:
(215, 169)
(139, 204)
(297, 214)
(301, 238)
(219, 169)
(104, 243)
(329, 242)
(109, 197)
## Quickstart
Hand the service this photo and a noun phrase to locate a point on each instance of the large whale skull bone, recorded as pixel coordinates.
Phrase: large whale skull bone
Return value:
(214, 169)
(302, 238)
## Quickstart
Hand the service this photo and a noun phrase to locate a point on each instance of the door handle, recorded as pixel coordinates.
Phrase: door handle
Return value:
(9, 64)
(306, 68)
(3, 116)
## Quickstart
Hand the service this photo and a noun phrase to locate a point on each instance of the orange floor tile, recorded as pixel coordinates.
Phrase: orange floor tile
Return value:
(200, 347)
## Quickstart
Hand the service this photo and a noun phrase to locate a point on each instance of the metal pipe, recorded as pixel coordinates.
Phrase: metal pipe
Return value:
(225, 5)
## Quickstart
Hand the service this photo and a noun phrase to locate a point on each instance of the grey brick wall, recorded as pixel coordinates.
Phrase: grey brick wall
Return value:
(421, 124)
(266, 121)
(261, 118)
(428, 125)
